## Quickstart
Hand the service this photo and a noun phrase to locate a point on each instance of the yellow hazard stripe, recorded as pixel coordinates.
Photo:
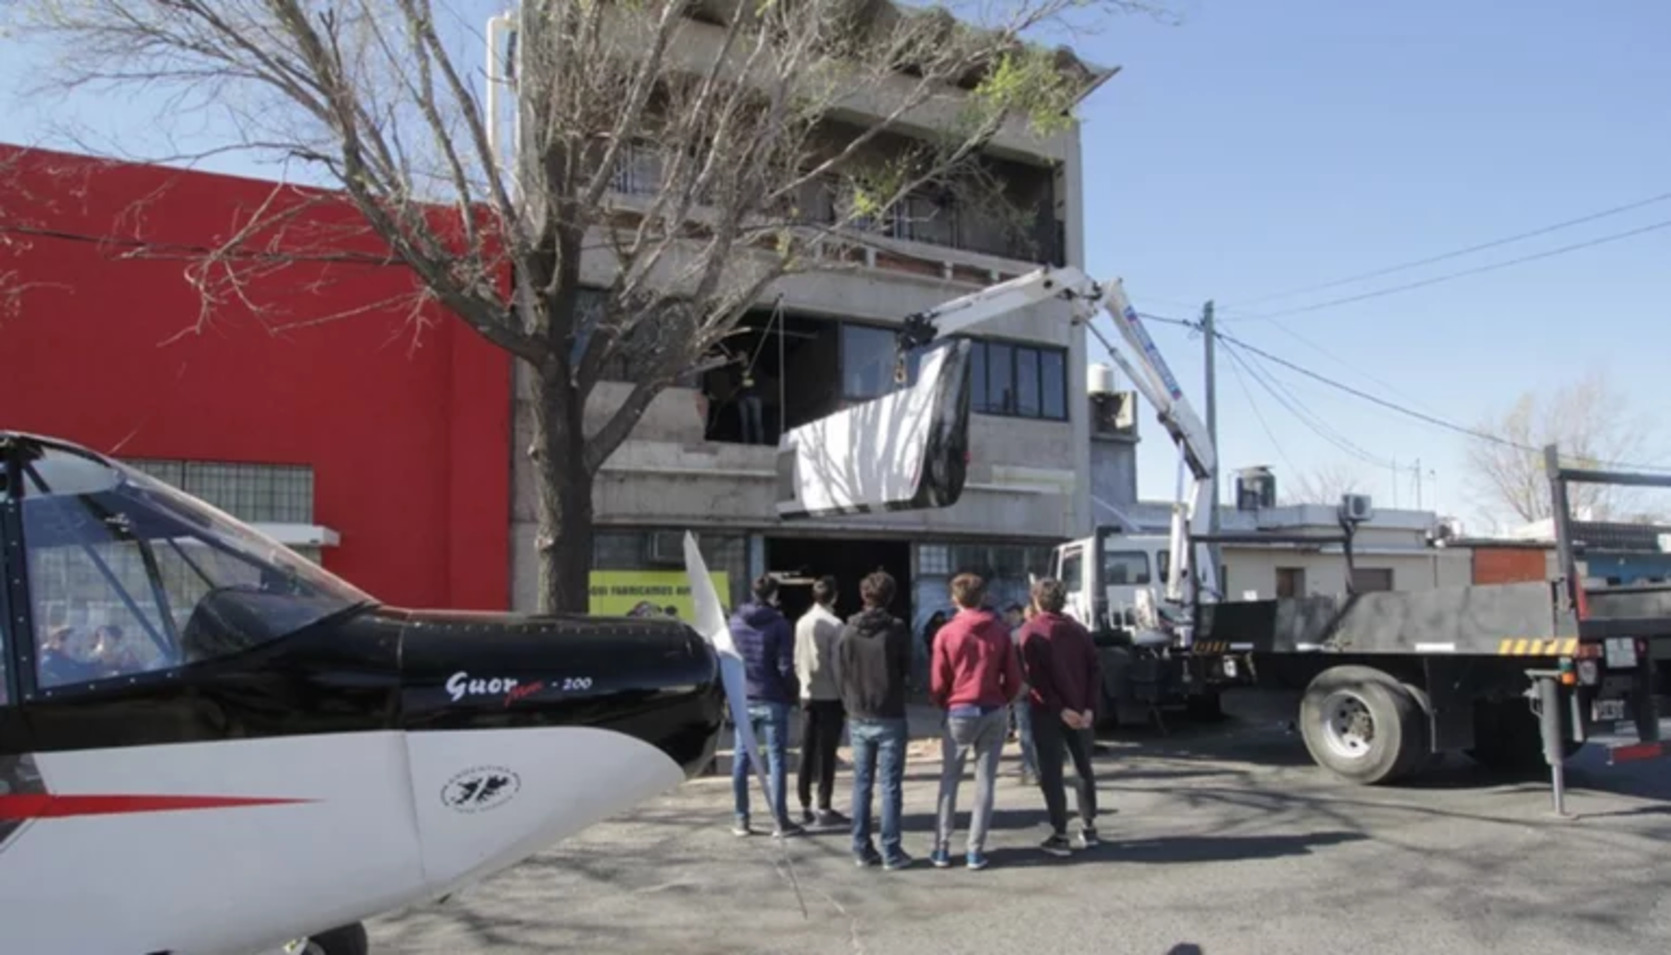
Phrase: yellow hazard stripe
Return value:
(1537, 646)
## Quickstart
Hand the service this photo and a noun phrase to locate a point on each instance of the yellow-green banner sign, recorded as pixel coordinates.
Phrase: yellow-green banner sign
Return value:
(641, 593)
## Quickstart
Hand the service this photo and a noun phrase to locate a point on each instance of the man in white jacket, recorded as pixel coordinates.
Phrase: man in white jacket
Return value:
(821, 711)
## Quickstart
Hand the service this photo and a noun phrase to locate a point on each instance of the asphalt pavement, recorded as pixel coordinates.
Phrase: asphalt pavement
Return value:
(1218, 840)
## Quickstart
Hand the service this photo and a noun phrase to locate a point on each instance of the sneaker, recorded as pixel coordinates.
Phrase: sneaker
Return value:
(832, 819)
(977, 861)
(1088, 839)
(741, 828)
(787, 829)
(867, 858)
(807, 818)
(940, 857)
(1058, 846)
(899, 860)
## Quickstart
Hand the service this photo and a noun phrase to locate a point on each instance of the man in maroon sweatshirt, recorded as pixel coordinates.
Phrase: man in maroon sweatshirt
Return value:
(974, 675)
(1060, 664)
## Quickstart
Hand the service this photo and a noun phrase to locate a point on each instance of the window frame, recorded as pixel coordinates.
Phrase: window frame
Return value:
(913, 361)
(981, 403)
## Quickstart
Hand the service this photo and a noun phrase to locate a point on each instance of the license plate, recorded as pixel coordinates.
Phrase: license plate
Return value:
(1621, 653)
(1608, 710)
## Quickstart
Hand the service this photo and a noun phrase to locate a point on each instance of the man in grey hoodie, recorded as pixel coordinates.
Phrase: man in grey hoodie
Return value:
(816, 634)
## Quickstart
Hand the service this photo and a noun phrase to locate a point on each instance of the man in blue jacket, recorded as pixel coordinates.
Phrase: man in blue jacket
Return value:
(766, 643)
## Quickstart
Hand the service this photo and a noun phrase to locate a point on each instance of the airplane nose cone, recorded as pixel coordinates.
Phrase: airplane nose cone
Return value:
(654, 680)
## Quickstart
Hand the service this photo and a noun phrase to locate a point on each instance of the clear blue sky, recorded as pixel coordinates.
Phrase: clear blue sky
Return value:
(1258, 147)
(1262, 147)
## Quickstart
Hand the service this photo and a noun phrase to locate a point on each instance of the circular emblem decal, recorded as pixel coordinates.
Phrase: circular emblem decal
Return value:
(480, 788)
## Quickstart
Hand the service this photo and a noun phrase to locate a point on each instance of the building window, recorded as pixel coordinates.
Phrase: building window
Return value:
(663, 550)
(1018, 381)
(254, 493)
(868, 356)
(1290, 582)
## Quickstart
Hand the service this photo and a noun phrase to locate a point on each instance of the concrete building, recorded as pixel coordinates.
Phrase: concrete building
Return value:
(1394, 550)
(828, 341)
(401, 462)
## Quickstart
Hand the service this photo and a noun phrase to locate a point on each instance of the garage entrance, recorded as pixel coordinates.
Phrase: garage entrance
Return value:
(848, 561)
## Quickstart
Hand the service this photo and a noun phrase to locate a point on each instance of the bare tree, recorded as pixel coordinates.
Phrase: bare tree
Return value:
(1324, 485)
(682, 156)
(1591, 423)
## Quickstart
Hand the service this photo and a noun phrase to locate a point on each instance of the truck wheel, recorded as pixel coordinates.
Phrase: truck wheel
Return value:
(346, 940)
(1361, 724)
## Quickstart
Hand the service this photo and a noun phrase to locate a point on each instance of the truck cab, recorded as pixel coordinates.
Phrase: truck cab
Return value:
(1105, 573)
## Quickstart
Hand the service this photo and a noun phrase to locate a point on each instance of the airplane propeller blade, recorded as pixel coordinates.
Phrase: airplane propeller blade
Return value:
(710, 623)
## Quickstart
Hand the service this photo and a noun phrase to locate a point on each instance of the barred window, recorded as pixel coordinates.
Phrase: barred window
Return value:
(257, 493)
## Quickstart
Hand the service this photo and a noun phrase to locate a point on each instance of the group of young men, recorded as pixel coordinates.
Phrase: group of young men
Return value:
(856, 672)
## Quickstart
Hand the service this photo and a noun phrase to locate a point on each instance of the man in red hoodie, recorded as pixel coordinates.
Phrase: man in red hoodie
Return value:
(973, 676)
(1060, 664)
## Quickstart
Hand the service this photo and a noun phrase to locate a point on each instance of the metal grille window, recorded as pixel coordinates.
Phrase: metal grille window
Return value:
(257, 493)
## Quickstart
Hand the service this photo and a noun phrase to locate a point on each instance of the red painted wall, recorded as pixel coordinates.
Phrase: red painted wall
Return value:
(401, 409)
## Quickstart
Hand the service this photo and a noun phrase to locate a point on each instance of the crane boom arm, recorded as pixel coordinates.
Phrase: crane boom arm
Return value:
(1146, 368)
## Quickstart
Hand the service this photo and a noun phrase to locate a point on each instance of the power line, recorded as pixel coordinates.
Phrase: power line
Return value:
(1460, 252)
(1412, 413)
(1450, 276)
(1311, 420)
(1422, 416)
(1241, 381)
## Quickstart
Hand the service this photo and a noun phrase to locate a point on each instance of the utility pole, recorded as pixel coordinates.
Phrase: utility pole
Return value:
(1210, 338)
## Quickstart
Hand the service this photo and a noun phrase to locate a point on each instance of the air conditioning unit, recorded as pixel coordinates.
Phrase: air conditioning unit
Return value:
(1356, 508)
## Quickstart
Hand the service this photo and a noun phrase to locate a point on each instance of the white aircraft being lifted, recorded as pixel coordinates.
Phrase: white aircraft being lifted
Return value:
(208, 744)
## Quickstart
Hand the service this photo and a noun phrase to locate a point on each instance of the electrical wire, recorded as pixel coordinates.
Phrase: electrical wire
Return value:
(1451, 276)
(1425, 417)
(1460, 252)
(1434, 420)
(1241, 381)
(1295, 406)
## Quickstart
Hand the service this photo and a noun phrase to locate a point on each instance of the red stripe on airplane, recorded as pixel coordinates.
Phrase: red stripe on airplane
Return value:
(52, 806)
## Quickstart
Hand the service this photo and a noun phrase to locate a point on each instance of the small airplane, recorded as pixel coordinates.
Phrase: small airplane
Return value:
(209, 744)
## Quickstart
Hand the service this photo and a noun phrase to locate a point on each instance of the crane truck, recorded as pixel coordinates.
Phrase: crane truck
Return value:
(1509, 673)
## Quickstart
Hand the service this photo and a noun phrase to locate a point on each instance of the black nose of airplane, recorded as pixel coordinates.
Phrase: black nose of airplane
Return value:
(655, 680)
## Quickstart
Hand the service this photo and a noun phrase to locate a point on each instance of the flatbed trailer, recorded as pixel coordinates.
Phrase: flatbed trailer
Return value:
(1511, 673)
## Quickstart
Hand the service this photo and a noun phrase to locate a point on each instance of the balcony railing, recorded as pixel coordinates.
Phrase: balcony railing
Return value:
(920, 219)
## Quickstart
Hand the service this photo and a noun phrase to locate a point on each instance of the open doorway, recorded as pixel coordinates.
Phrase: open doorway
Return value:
(808, 558)
(788, 363)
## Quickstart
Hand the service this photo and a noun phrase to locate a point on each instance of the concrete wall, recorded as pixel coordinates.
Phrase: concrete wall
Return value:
(1255, 569)
(1113, 478)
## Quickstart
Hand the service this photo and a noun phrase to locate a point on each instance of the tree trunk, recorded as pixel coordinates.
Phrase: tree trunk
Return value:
(564, 494)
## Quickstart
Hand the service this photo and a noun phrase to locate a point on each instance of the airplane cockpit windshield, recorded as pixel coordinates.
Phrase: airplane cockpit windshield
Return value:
(128, 576)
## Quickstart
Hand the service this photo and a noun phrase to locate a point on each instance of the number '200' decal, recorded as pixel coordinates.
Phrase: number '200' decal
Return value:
(577, 683)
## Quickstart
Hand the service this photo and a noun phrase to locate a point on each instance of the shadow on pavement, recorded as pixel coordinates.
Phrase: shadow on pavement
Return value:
(1180, 849)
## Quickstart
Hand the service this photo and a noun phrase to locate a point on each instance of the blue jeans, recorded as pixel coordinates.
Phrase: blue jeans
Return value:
(771, 727)
(878, 741)
(1024, 733)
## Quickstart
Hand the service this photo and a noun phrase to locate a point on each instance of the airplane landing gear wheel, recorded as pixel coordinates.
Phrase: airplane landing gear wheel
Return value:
(347, 940)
